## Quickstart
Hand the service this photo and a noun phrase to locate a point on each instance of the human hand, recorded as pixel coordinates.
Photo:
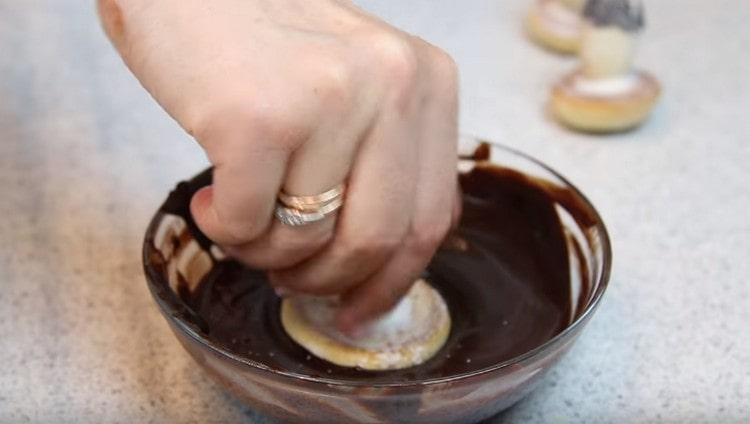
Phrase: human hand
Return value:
(300, 96)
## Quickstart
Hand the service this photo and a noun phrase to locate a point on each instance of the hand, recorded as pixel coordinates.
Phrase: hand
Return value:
(300, 96)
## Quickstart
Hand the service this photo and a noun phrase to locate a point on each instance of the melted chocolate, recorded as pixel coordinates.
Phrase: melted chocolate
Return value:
(504, 274)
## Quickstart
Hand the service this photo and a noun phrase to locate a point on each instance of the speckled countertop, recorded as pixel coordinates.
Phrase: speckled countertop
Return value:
(86, 156)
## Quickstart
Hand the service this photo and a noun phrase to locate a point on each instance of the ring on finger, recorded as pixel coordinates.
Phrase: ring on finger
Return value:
(312, 203)
(295, 217)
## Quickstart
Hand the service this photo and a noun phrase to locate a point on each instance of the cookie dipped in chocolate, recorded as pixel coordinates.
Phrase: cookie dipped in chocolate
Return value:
(504, 273)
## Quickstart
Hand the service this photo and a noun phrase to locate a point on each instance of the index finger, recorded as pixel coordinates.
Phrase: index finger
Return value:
(238, 206)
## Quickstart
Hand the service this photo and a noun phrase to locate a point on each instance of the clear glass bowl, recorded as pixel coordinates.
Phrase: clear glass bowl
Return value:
(176, 254)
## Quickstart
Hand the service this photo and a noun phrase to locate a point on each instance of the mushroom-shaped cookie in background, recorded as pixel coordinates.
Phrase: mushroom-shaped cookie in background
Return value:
(556, 24)
(605, 94)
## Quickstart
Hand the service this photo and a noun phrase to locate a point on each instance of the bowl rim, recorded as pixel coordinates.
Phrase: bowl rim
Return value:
(575, 325)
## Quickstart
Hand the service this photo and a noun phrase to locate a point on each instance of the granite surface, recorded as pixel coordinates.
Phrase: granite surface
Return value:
(86, 156)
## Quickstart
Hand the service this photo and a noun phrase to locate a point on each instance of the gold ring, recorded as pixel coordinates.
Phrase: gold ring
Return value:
(295, 217)
(311, 203)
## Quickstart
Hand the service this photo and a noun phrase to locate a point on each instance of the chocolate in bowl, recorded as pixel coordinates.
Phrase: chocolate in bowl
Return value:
(521, 275)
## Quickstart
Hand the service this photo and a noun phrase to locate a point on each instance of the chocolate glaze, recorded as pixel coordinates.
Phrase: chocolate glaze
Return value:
(625, 14)
(504, 274)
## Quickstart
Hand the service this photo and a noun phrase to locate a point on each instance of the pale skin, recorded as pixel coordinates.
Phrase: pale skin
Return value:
(300, 95)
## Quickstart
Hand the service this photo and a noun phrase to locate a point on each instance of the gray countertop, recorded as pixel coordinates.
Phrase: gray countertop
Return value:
(86, 156)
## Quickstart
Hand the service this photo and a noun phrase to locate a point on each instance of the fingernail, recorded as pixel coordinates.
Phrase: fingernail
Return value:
(347, 325)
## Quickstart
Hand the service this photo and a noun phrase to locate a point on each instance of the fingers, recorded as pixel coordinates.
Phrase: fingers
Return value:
(325, 160)
(320, 164)
(375, 216)
(384, 290)
(437, 203)
(247, 176)
(401, 197)
(284, 246)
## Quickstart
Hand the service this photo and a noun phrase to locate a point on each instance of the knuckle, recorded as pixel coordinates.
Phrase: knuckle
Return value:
(334, 83)
(238, 120)
(395, 57)
(445, 71)
(443, 63)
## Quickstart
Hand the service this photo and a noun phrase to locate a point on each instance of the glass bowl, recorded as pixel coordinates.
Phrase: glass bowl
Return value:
(177, 255)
